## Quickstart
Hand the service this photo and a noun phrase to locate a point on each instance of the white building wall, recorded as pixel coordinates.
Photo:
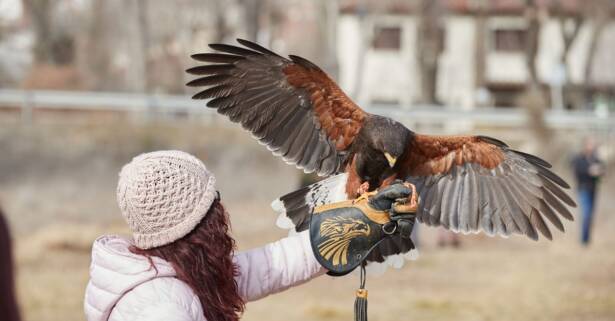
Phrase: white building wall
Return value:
(388, 75)
(349, 44)
(551, 49)
(393, 75)
(603, 69)
(456, 68)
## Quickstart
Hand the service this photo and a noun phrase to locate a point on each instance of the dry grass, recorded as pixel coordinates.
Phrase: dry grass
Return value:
(487, 279)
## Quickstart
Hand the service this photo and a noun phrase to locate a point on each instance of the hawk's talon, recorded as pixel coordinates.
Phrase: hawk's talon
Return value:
(409, 205)
(364, 188)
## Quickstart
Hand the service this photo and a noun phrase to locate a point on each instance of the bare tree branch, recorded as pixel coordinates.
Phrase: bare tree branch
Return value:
(252, 11)
(430, 43)
(598, 15)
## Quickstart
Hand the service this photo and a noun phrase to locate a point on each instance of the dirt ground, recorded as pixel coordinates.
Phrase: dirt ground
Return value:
(56, 218)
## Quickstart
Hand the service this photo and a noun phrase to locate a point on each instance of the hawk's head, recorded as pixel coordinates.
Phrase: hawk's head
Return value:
(388, 137)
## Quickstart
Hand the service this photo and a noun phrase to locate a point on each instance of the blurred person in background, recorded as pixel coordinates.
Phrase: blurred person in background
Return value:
(180, 263)
(587, 170)
(8, 303)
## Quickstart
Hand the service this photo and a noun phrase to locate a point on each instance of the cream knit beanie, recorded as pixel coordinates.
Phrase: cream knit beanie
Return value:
(163, 195)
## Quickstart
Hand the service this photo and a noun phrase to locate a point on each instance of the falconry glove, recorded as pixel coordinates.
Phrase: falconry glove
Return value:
(343, 234)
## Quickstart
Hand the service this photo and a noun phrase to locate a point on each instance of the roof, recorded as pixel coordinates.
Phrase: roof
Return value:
(403, 7)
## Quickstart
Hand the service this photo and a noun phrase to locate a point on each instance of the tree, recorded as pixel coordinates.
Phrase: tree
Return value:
(479, 43)
(569, 27)
(430, 45)
(533, 99)
(38, 14)
(252, 11)
(531, 48)
(570, 24)
(144, 40)
(327, 27)
(598, 16)
(54, 45)
(221, 28)
(361, 13)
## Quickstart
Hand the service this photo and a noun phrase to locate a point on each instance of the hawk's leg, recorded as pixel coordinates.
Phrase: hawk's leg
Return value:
(409, 205)
(363, 188)
(413, 198)
(388, 181)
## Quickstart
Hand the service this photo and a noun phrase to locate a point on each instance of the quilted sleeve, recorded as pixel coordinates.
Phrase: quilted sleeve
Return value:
(166, 311)
(276, 267)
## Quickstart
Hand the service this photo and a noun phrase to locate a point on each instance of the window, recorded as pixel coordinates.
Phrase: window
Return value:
(387, 38)
(509, 40)
(505, 95)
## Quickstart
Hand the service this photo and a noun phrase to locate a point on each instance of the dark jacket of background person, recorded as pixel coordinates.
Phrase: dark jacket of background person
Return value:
(8, 303)
(582, 164)
(587, 170)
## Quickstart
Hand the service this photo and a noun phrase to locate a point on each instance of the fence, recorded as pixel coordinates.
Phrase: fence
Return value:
(172, 105)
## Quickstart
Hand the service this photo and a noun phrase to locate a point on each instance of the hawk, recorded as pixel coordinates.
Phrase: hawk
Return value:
(465, 183)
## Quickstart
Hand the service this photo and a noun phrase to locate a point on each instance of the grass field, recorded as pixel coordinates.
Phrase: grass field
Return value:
(59, 194)
(486, 279)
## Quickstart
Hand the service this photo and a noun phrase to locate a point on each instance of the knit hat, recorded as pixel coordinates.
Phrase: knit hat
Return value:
(163, 195)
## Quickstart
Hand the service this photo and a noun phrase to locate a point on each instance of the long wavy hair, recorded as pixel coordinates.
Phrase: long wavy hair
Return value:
(203, 259)
(8, 302)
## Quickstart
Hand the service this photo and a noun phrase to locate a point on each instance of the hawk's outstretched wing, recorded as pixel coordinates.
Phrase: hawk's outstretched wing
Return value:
(472, 183)
(290, 105)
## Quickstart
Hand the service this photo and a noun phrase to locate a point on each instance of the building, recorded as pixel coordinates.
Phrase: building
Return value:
(480, 50)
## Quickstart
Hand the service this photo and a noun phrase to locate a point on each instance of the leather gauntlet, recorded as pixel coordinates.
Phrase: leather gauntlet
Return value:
(343, 234)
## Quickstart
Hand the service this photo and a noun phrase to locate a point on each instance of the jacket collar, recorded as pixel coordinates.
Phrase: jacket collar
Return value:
(114, 271)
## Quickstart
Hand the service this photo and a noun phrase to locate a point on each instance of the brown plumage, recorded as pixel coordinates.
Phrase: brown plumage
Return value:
(465, 183)
(431, 155)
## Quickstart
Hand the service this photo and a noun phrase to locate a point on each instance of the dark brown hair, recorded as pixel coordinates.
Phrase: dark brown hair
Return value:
(204, 260)
(8, 302)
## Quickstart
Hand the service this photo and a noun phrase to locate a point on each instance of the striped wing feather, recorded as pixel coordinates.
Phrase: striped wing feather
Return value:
(289, 105)
(474, 183)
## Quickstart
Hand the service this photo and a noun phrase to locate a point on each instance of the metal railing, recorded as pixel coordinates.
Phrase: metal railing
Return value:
(27, 101)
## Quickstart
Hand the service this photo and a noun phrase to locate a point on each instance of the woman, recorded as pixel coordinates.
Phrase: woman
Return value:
(8, 304)
(180, 264)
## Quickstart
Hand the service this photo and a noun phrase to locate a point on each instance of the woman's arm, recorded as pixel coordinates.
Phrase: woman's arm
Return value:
(276, 267)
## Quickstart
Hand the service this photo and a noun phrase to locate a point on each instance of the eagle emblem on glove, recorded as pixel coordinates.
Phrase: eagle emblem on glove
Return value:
(337, 233)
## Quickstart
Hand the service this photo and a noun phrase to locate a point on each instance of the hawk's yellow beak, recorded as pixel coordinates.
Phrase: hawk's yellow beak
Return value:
(390, 159)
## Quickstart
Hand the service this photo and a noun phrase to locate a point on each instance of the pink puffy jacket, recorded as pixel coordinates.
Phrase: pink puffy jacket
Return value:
(123, 286)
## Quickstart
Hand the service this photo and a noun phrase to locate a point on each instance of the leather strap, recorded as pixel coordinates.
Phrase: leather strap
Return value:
(380, 217)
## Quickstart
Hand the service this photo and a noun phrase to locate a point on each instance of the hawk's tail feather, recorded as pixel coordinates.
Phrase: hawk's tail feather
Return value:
(392, 252)
(295, 207)
(396, 261)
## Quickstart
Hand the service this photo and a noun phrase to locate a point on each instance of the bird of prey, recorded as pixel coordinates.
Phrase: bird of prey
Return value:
(464, 183)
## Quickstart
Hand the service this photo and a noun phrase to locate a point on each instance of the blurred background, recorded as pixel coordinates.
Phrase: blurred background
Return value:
(85, 85)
